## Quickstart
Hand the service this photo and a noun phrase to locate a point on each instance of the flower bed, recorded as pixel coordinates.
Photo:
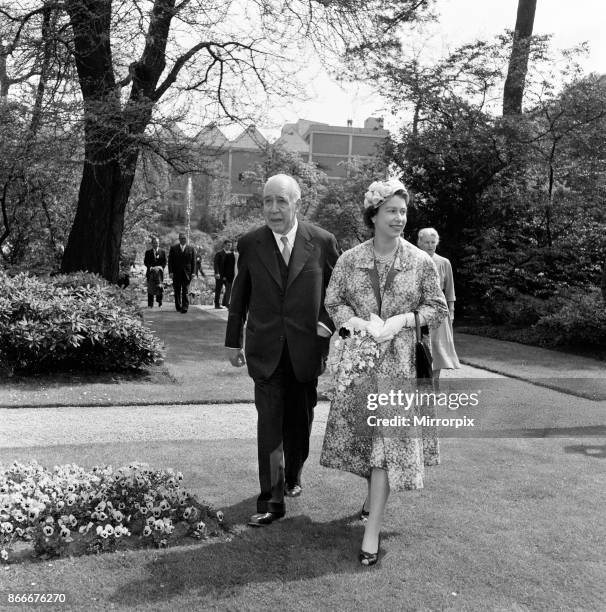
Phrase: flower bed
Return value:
(71, 511)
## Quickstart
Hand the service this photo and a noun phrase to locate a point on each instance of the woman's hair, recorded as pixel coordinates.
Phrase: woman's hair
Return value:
(428, 231)
(370, 212)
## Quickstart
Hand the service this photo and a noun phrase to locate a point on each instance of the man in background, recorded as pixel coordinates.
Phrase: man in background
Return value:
(181, 268)
(154, 261)
(224, 264)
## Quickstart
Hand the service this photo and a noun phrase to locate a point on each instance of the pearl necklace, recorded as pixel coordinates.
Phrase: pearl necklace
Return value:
(385, 259)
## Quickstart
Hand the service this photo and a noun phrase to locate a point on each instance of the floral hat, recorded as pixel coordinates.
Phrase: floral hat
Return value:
(379, 191)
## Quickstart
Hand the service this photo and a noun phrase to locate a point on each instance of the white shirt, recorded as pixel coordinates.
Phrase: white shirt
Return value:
(291, 237)
(291, 243)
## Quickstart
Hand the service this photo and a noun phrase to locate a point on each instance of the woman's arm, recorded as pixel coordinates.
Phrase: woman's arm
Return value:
(335, 301)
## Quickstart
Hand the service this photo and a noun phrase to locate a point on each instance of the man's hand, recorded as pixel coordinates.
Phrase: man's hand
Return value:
(218, 276)
(322, 331)
(236, 357)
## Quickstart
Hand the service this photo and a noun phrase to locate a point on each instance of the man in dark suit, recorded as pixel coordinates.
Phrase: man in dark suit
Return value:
(224, 264)
(181, 268)
(153, 259)
(283, 270)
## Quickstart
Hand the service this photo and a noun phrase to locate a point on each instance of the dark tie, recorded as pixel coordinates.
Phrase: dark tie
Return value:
(285, 250)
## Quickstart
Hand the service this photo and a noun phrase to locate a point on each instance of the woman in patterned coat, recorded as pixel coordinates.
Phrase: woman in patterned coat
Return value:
(391, 278)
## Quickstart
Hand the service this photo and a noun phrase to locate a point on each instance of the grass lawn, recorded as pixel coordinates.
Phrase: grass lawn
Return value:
(502, 524)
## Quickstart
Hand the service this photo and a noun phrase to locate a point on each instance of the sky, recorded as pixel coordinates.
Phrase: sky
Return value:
(460, 21)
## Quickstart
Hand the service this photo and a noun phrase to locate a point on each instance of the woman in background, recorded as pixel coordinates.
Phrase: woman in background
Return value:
(442, 339)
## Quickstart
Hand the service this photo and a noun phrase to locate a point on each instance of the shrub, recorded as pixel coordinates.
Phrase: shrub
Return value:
(70, 509)
(60, 325)
(580, 321)
(126, 297)
(511, 307)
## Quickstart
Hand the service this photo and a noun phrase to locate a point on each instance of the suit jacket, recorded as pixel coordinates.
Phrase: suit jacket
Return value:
(149, 261)
(182, 265)
(276, 312)
(225, 264)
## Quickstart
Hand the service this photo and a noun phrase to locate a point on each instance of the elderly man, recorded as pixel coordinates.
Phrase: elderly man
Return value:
(181, 268)
(283, 270)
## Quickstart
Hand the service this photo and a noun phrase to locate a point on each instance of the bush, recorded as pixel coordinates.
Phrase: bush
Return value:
(519, 310)
(60, 325)
(72, 510)
(580, 321)
(127, 298)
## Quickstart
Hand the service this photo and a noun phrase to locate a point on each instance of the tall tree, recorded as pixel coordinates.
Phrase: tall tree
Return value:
(518, 61)
(138, 60)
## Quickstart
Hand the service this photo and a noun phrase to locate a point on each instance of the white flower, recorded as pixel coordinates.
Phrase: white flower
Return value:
(4, 554)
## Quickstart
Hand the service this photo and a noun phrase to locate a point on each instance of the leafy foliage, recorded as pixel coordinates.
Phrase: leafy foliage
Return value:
(580, 321)
(518, 203)
(61, 324)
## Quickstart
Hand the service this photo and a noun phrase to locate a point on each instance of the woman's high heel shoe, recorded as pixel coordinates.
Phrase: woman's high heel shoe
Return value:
(366, 559)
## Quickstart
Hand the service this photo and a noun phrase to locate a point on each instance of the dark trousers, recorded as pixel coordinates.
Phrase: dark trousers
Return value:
(218, 286)
(285, 412)
(159, 296)
(181, 289)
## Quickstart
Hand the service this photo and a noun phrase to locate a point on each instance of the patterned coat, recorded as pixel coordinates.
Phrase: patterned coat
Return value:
(350, 444)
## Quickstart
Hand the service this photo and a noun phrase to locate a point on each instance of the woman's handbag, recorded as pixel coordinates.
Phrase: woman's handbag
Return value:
(422, 352)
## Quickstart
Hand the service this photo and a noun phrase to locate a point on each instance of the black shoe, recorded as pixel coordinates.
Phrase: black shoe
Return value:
(262, 519)
(294, 491)
(364, 514)
(366, 559)
(184, 310)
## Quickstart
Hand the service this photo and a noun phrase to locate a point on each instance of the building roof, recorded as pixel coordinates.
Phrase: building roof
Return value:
(341, 129)
(291, 140)
(250, 138)
(211, 136)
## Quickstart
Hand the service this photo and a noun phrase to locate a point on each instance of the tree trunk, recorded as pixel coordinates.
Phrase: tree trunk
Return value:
(96, 234)
(111, 132)
(518, 61)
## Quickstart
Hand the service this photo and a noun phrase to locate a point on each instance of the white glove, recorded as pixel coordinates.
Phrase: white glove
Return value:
(375, 326)
(356, 323)
(394, 325)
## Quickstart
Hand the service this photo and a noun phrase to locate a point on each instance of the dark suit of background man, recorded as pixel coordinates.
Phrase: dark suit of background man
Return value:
(153, 258)
(224, 263)
(181, 268)
(283, 270)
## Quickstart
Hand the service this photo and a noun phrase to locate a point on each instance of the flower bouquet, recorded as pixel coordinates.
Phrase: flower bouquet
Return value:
(355, 354)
